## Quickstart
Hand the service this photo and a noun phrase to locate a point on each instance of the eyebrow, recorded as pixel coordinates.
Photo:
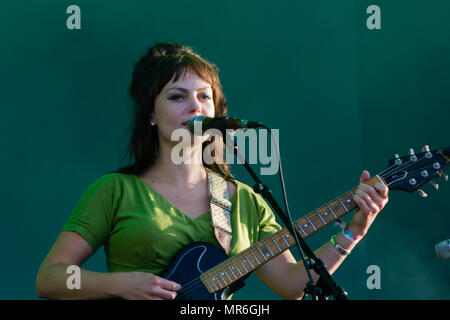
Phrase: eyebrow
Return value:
(186, 90)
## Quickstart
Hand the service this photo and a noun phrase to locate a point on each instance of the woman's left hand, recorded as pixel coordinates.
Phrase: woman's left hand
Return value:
(370, 201)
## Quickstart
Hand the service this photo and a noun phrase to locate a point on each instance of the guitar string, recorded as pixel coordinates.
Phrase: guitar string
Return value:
(196, 283)
(383, 174)
(395, 167)
(193, 286)
(405, 167)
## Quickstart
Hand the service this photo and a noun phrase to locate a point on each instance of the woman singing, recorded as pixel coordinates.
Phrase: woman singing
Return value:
(144, 213)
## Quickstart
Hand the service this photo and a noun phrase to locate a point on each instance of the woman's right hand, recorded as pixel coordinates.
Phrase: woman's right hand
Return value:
(144, 286)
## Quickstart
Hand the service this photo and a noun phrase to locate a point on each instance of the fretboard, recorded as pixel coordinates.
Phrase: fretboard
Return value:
(243, 263)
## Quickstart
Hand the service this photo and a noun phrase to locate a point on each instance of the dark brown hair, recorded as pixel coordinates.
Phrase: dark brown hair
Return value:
(152, 72)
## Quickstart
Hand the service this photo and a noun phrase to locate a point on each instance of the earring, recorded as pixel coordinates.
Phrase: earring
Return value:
(152, 123)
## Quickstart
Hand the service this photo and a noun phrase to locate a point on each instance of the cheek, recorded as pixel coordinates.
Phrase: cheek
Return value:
(210, 111)
(168, 113)
(172, 115)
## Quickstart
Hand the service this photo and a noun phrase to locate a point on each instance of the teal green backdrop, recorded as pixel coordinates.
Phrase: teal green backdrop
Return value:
(344, 97)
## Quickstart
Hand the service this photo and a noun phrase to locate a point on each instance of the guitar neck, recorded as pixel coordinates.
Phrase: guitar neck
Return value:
(243, 263)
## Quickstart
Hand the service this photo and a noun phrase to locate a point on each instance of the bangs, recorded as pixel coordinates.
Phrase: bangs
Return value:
(176, 66)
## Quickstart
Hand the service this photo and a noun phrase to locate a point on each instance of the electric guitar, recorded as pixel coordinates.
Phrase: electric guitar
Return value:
(206, 273)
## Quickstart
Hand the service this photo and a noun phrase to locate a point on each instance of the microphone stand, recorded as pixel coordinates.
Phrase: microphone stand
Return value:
(326, 285)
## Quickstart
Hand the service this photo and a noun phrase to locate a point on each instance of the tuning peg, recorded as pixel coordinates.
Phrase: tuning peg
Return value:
(422, 193)
(428, 154)
(434, 184)
(441, 174)
(413, 156)
(398, 161)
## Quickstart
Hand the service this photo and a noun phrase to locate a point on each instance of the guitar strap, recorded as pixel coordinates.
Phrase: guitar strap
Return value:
(220, 209)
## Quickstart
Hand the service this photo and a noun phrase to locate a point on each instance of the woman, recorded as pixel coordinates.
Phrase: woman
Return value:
(145, 213)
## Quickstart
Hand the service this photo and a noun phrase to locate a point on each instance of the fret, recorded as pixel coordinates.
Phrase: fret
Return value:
(310, 222)
(349, 201)
(210, 280)
(301, 229)
(221, 273)
(256, 259)
(332, 212)
(215, 278)
(352, 199)
(287, 244)
(263, 255)
(287, 236)
(242, 263)
(248, 260)
(317, 212)
(326, 214)
(343, 205)
(225, 263)
(268, 248)
(273, 240)
(219, 276)
(232, 260)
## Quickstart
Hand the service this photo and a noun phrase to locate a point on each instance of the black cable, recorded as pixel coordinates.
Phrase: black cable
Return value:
(288, 213)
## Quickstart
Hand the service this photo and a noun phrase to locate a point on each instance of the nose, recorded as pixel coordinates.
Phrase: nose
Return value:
(195, 107)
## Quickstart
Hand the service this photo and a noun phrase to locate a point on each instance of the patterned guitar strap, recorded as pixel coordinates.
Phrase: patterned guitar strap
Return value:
(220, 209)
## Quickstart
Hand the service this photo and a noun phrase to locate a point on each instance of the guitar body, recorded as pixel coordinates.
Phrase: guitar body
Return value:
(187, 267)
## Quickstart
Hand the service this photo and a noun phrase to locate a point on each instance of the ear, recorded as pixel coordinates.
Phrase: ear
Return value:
(152, 119)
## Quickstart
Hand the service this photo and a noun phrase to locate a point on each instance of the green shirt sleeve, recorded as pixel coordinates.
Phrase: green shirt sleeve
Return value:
(93, 215)
(267, 221)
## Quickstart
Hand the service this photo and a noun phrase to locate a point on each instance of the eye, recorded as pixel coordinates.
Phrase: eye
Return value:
(175, 97)
(205, 96)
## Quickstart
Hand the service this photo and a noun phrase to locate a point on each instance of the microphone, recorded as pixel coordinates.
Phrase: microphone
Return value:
(443, 249)
(222, 123)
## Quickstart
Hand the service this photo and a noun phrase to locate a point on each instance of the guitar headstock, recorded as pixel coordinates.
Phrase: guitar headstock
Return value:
(410, 172)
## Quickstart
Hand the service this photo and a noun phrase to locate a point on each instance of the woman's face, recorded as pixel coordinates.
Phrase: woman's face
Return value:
(180, 101)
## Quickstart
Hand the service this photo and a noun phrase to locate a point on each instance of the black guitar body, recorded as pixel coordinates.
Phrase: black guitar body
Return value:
(187, 267)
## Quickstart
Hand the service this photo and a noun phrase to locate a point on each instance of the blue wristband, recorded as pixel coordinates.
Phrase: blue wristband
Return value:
(350, 236)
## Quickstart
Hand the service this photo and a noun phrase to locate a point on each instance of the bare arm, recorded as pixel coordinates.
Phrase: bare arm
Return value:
(71, 249)
(51, 280)
(288, 278)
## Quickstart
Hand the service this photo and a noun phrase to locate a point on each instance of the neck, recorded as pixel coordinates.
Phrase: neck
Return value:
(165, 170)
